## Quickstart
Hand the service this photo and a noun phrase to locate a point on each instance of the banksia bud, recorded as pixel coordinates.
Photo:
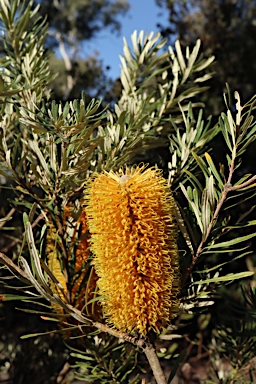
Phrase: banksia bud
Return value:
(130, 218)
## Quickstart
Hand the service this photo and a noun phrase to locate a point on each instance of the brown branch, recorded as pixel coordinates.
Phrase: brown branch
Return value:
(154, 364)
(10, 245)
(143, 344)
(11, 266)
(17, 240)
(140, 342)
(245, 184)
(7, 217)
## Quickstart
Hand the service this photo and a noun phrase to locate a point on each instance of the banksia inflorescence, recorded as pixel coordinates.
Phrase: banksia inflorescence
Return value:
(82, 277)
(133, 238)
(54, 263)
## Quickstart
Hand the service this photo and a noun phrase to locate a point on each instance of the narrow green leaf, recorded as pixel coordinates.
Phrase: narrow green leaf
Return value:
(214, 170)
(180, 56)
(219, 266)
(201, 164)
(229, 277)
(223, 129)
(35, 259)
(82, 356)
(231, 127)
(35, 148)
(207, 136)
(32, 212)
(243, 148)
(229, 243)
(193, 206)
(212, 193)
(205, 211)
(25, 219)
(225, 250)
(238, 108)
(39, 334)
(97, 298)
(177, 364)
(27, 270)
(204, 64)
(191, 61)
(243, 179)
(183, 227)
(10, 297)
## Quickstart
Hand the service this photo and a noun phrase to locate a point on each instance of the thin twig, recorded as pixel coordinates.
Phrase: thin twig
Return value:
(141, 342)
(209, 229)
(227, 188)
(10, 245)
(11, 266)
(17, 240)
(245, 184)
(7, 217)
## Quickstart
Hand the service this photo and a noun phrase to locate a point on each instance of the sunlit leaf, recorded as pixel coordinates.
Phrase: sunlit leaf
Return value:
(228, 277)
(229, 243)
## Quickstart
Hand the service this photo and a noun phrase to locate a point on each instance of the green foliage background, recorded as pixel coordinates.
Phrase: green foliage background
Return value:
(49, 150)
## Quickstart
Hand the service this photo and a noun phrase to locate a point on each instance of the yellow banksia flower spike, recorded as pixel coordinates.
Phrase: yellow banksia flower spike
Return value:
(133, 238)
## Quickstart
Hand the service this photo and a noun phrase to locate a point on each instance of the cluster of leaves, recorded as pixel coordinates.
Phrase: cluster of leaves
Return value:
(49, 150)
(216, 226)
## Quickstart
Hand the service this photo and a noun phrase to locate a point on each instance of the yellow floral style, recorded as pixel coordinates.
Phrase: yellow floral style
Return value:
(133, 238)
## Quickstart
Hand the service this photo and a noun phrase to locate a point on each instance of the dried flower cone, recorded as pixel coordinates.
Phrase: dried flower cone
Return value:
(83, 287)
(82, 278)
(55, 266)
(130, 217)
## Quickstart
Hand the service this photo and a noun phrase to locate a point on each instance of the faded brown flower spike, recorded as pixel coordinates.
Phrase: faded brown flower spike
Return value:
(133, 238)
(81, 288)
(54, 264)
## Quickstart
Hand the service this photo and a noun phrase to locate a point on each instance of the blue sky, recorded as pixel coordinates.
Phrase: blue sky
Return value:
(143, 15)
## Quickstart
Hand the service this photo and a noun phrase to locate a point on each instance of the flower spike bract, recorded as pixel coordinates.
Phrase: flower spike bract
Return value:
(133, 238)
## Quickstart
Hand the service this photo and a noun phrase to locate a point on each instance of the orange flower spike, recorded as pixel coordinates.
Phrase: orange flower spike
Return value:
(133, 238)
(54, 262)
(81, 256)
